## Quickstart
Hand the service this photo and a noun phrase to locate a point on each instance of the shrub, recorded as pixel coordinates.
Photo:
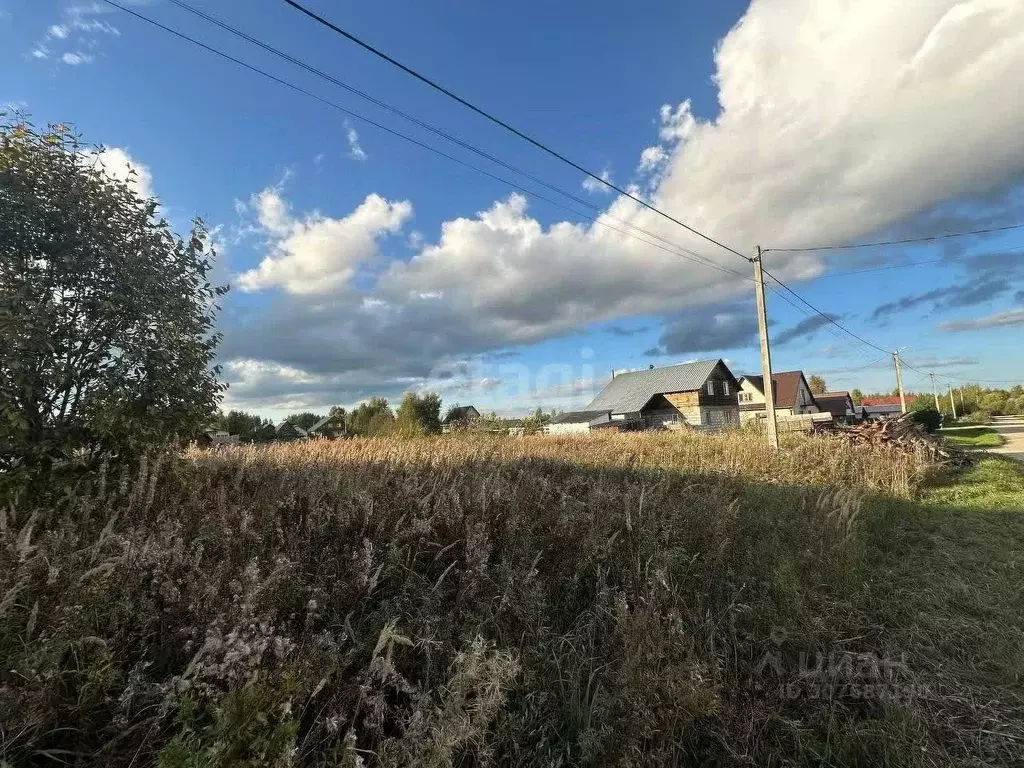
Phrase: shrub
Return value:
(106, 316)
(930, 418)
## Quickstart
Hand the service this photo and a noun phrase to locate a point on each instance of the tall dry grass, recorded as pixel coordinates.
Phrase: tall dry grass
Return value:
(803, 460)
(444, 602)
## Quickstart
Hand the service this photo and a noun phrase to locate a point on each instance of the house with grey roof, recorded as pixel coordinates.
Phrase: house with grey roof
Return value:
(701, 394)
(330, 427)
(459, 417)
(288, 431)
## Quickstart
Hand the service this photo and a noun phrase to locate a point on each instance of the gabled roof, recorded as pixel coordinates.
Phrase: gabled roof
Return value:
(629, 392)
(286, 426)
(579, 417)
(836, 403)
(461, 413)
(787, 384)
(326, 421)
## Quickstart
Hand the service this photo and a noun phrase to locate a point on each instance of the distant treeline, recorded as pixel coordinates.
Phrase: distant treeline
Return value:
(417, 414)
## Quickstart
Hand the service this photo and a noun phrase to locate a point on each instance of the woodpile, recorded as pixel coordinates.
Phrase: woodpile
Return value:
(903, 431)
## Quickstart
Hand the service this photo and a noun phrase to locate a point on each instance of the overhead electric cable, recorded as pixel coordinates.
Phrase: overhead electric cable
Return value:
(676, 250)
(526, 137)
(908, 241)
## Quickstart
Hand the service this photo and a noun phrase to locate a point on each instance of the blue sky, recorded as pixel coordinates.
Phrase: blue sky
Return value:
(361, 264)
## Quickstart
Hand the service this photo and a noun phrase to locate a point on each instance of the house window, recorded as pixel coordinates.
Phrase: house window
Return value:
(725, 387)
(711, 387)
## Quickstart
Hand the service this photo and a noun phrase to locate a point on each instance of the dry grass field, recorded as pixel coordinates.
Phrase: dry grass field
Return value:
(626, 600)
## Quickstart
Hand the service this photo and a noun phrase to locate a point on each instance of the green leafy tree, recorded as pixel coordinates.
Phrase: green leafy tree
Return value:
(857, 396)
(358, 420)
(381, 424)
(817, 385)
(419, 414)
(240, 423)
(106, 316)
(304, 420)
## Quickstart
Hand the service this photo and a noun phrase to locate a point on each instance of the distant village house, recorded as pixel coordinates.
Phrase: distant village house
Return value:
(840, 405)
(329, 427)
(459, 417)
(701, 394)
(792, 396)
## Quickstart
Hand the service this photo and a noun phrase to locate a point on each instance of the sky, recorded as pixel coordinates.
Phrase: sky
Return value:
(361, 263)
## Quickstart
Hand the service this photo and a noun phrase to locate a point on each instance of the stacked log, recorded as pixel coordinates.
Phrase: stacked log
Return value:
(903, 431)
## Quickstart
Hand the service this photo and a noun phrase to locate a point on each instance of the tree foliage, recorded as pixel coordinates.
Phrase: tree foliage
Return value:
(358, 420)
(419, 414)
(106, 316)
(857, 396)
(248, 426)
(817, 385)
(304, 419)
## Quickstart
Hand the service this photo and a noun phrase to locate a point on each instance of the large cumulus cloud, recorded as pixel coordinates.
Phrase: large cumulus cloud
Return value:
(837, 120)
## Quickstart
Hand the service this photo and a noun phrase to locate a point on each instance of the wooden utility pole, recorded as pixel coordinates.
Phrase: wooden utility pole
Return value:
(766, 354)
(899, 381)
(935, 393)
(963, 408)
(952, 402)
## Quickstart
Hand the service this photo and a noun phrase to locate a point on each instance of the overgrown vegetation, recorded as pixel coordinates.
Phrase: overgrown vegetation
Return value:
(622, 600)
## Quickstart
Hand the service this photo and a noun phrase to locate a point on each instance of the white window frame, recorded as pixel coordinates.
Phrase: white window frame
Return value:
(725, 388)
(711, 387)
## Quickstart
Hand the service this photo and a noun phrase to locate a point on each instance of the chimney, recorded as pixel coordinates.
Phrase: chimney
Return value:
(650, 367)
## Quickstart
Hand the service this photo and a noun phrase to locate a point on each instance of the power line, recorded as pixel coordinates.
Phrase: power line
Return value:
(681, 252)
(417, 121)
(879, 269)
(506, 126)
(932, 238)
(829, 318)
(969, 380)
(918, 263)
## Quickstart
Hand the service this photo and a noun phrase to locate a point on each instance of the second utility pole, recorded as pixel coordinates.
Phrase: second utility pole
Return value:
(899, 381)
(935, 393)
(952, 402)
(766, 353)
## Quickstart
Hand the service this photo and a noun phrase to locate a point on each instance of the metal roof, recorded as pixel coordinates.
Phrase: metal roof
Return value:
(579, 417)
(787, 384)
(461, 413)
(629, 392)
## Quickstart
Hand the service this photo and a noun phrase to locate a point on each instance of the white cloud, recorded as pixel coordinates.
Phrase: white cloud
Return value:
(839, 119)
(652, 158)
(1008, 319)
(319, 254)
(836, 120)
(676, 124)
(118, 164)
(592, 185)
(354, 150)
(79, 28)
(74, 58)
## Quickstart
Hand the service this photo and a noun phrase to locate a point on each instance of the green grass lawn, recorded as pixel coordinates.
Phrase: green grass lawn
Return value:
(946, 593)
(973, 437)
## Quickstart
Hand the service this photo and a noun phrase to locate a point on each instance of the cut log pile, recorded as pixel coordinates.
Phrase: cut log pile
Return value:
(905, 432)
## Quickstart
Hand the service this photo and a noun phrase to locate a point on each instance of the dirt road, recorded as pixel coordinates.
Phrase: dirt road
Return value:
(1012, 430)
